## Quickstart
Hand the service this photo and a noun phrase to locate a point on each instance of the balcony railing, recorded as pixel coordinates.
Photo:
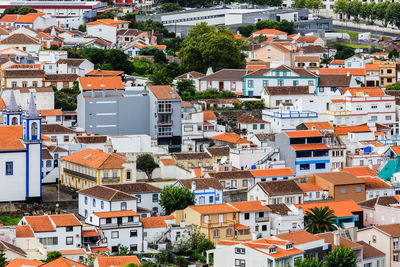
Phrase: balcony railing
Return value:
(262, 219)
(79, 174)
(224, 223)
(165, 134)
(123, 224)
(111, 179)
(164, 123)
(339, 113)
(165, 110)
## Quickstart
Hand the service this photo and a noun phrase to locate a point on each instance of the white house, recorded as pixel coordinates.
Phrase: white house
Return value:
(51, 163)
(74, 66)
(354, 62)
(119, 227)
(313, 192)
(59, 135)
(56, 232)
(206, 190)
(276, 192)
(108, 32)
(23, 42)
(100, 198)
(44, 97)
(154, 228)
(13, 78)
(225, 79)
(252, 125)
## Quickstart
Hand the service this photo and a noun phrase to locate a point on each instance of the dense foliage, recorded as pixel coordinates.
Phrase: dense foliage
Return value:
(308, 262)
(174, 198)
(341, 257)
(169, 7)
(320, 220)
(146, 164)
(21, 10)
(283, 25)
(208, 46)
(66, 98)
(343, 51)
(386, 12)
(310, 4)
(191, 94)
(395, 86)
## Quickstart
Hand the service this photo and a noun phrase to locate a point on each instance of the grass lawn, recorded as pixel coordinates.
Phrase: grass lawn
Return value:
(6, 220)
(355, 46)
(353, 35)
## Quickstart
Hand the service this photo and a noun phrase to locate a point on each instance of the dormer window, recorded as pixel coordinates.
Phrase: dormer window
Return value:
(289, 246)
(272, 250)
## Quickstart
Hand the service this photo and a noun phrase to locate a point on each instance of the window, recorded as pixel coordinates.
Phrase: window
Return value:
(254, 126)
(240, 251)
(304, 166)
(201, 200)
(34, 129)
(262, 126)
(48, 163)
(14, 84)
(65, 84)
(24, 84)
(265, 83)
(358, 108)
(320, 165)
(210, 199)
(239, 262)
(69, 228)
(114, 234)
(108, 220)
(261, 214)
(310, 83)
(388, 106)
(343, 190)
(9, 168)
(123, 206)
(216, 233)
(280, 83)
(139, 198)
(395, 243)
(94, 202)
(86, 200)
(228, 232)
(102, 204)
(155, 197)
(69, 240)
(49, 241)
(317, 194)
(373, 238)
(295, 83)
(250, 83)
(358, 189)
(388, 118)
(66, 138)
(247, 216)
(130, 218)
(244, 183)
(396, 257)
(264, 228)
(133, 233)
(34, 84)
(133, 247)
(389, 71)
(374, 106)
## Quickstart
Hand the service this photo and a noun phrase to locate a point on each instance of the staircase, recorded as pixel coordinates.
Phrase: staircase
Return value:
(267, 157)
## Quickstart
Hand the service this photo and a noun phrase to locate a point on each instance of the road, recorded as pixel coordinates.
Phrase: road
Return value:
(336, 27)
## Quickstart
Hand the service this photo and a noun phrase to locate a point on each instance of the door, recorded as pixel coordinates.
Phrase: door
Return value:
(221, 86)
(119, 220)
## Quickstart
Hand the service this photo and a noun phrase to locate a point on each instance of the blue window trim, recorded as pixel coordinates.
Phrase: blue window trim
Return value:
(12, 168)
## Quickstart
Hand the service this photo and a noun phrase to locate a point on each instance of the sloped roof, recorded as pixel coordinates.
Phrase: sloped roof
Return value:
(218, 151)
(202, 183)
(334, 80)
(97, 159)
(106, 193)
(341, 208)
(162, 92)
(156, 222)
(19, 39)
(135, 188)
(249, 119)
(209, 115)
(117, 261)
(272, 172)
(231, 138)
(226, 74)
(103, 83)
(278, 188)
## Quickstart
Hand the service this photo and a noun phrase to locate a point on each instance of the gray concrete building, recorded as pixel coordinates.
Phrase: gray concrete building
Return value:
(155, 111)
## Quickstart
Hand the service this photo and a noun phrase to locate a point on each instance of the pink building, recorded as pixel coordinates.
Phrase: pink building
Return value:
(381, 210)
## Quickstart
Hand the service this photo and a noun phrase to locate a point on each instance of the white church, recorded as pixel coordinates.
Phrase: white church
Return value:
(20, 153)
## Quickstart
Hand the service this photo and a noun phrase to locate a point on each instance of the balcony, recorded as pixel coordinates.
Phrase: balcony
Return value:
(339, 112)
(164, 110)
(290, 114)
(225, 223)
(165, 134)
(262, 219)
(165, 123)
(110, 180)
(120, 225)
(78, 174)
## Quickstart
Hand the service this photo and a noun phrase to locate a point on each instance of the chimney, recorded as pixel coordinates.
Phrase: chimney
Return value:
(348, 74)
(193, 186)
(115, 18)
(336, 239)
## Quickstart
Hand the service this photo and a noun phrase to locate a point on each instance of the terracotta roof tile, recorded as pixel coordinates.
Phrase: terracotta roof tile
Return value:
(272, 172)
(50, 112)
(19, 39)
(209, 115)
(307, 39)
(113, 214)
(117, 261)
(62, 220)
(246, 206)
(71, 61)
(63, 262)
(301, 134)
(280, 209)
(334, 80)
(191, 155)
(72, 251)
(10, 138)
(383, 201)
(104, 73)
(23, 262)
(299, 237)
(191, 75)
(287, 90)
(341, 208)
(24, 231)
(329, 238)
(213, 208)
(390, 229)
(340, 178)
(61, 77)
(248, 119)
(167, 162)
(97, 159)
(218, 151)
(136, 188)
(312, 49)
(369, 251)
(309, 147)
(395, 149)
(344, 130)
(55, 128)
(91, 139)
(156, 222)
(162, 92)
(231, 138)
(7, 246)
(278, 188)
(231, 175)
(16, 73)
(202, 183)
(40, 223)
(46, 154)
(352, 71)
(374, 183)
(270, 31)
(318, 125)
(337, 62)
(308, 187)
(104, 83)
(226, 75)
(306, 59)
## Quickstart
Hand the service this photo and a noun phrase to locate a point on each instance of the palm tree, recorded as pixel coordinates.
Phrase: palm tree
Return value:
(326, 60)
(320, 220)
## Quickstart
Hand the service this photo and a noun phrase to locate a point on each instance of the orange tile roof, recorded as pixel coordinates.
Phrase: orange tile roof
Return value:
(299, 237)
(245, 206)
(24, 231)
(209, 115)
(72, 251)
(373, 142)
(65, 220)
(272, 172)
(26, 19)
(45, 35)
(102, 249)
(374, 92)
(337, 100)
(270, 31)
(337, 62)
(156, 222)
(342, 208)
(379, 133)
(213, 208)
(112, 21)
(63, 262)
(374, 183)
(351, 129)
(159, 47)
(239, 226)
(40, 223)
(374, 67)
(104, 73)
(50, 112)
(396, 149)
(13, 48)
(97, 159)
(23, 262)
(103, 83)
(307, 39)
(354, 72)
(309, 147)
(231, 138)
(90, 233)
(360, 171)
(10, 138)
(117, 261)
(168, 161)
(112, 214)
(163, 92)
(380, 54)
(318, 125)
(197, 172)
(308, 187)
(300, 134)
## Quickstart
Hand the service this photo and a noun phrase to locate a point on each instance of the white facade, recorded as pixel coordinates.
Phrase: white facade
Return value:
(354, 62)
(256, 193)
(85, 67)
(107, 32)
(44, 100)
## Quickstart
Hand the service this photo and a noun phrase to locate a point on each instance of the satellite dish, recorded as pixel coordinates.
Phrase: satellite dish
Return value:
(224, 159)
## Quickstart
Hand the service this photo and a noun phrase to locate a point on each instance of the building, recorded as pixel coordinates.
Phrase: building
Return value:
(73, 66)
(304, 151)
(100, 198)
(119, 227)
(381, 210)
(272, 174)
(115, 260)
(92, 167)
(384, 238)
(251, 125)
(22, 148)
(59, 135)
(225, 79)
(233, 179)
(56, 232)
(206, 190)
(13, 78)
(23, 42)
(276, 192)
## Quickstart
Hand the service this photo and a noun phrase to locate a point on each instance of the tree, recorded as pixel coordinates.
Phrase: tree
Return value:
(146, 164)
(82, 28)
(395, 86)
(299, 3)
(262, 38)
(314, 5)
(160, 77)
(215, 47)
(340, 7)
(131, 17)
(354, 8)
(131, 265)
(394, 54)
(160, 57)
(174, 198)
(185, 84)
(246, 31)
(169, 7)
(51, 256)
(308, 262)
(148, 51)
(343, 51)
(283, 25)
(326, 59)
(341, 257)
(320, 220)
(21, 10)
(104, 15)
(3, 259)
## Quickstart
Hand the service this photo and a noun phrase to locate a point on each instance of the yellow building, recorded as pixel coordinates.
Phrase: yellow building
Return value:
(92, 167)
(217, 222)
(387, 72)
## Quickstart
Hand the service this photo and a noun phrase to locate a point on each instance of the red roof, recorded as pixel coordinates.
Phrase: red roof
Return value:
(117, 261)
(354, 72)
(309, 187)
(112, 214)
(269, 32)
(301, 134)
(103, 249)
(309, 147)
(344, 130)
(360, 171)
(342, 208)
(272, 172)
(90, 233)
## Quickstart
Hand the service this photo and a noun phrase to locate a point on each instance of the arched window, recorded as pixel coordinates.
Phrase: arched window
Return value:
(123, 205)
(14, 121)
(34, 130)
